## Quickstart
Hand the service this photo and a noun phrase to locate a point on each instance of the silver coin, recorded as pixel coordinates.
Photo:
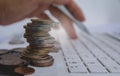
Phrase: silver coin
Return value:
(43, 42)
(36, 35)
(38, 28)
(37, 24)
(40, 38)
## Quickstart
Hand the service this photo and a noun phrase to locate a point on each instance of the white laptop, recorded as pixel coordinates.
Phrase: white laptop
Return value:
(89, 55)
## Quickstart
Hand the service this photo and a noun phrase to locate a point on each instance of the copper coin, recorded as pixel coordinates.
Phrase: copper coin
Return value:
(24, 70)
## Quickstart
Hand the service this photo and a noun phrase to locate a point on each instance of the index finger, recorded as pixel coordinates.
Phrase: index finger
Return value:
(75, 10)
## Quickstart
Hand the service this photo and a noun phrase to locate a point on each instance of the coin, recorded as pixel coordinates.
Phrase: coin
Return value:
(24, 70)
(41, 21)
(30, 57)
(3, 51)
(18, 49)
(42, 63)
(37, 57)
(37, 49)
(42, 35)
(38, 24)
(13, 42)
(35, 52)
(40, 38)
(9, 62)
(36, 34)
(41, 46)
(40, 41)
(35, 28)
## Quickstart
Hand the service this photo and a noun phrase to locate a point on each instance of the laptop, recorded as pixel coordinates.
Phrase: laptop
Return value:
(89, 55)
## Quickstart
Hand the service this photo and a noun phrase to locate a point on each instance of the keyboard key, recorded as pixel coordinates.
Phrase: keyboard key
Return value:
(97, 69)
(77, 69)
(114, 69)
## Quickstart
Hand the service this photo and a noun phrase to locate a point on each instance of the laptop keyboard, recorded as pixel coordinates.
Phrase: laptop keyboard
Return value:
(91, 54)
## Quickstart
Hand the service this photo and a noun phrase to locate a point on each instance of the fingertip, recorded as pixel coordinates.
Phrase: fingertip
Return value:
(74, 37)
(82, 19)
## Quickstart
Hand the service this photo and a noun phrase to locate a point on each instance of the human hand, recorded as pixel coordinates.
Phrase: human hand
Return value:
(14, 10)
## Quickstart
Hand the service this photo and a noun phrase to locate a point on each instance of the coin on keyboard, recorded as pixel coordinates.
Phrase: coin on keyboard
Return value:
(3, 51)
(24, 70)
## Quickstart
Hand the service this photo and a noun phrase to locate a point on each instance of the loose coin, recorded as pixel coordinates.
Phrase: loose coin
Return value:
(18, 49)
(24, 70)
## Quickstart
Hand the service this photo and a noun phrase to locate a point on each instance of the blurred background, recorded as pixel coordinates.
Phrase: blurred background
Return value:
(101, 16)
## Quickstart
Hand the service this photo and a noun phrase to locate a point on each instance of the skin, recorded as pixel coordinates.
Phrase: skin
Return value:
(15, 10)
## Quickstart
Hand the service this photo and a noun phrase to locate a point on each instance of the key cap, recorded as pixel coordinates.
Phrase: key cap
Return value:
(77, 69)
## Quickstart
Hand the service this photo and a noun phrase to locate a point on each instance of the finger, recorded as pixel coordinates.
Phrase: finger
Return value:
(61, 2)
(65, 20)
(75, 10)
(43, 16)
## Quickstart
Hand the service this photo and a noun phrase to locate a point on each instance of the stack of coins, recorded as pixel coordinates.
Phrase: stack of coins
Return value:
(40, 43)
